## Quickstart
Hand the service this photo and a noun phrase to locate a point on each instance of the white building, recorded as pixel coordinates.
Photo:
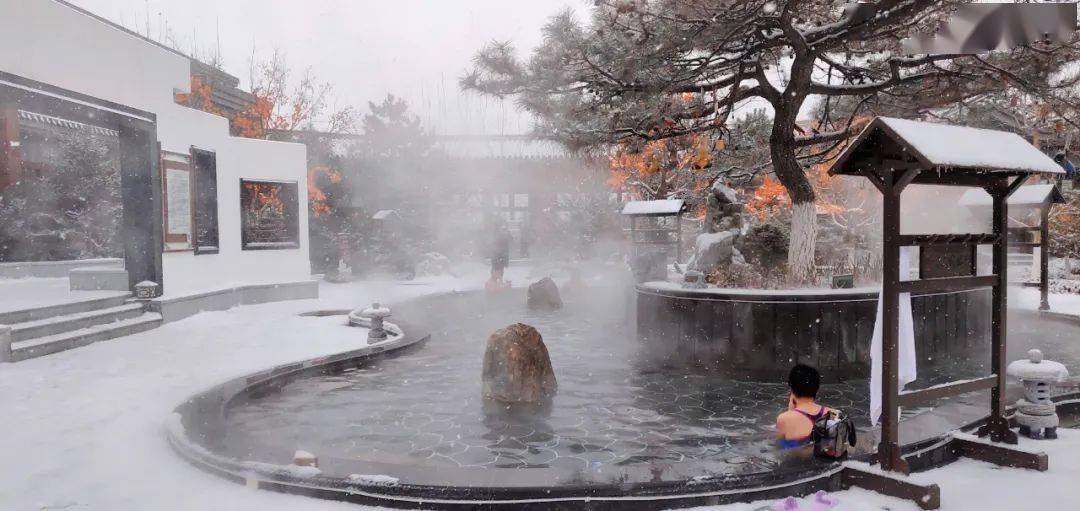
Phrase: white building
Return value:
(203, 210)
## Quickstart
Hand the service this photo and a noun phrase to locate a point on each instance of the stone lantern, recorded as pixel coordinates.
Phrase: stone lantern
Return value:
(376, 314)
(1035, 412)
(146, 290)
(694, 279)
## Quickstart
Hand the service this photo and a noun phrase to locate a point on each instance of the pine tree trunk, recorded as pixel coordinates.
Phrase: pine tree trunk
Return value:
(803, 240)
(791, 175)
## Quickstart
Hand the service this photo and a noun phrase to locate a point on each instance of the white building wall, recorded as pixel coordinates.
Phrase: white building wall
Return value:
(51, 42)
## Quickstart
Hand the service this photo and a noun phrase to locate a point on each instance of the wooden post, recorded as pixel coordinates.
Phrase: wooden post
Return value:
(997, 426)
(678, 237)
(1044, 258)
(889, 447)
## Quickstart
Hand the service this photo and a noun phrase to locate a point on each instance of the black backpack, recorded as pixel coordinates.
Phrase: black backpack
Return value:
(833, 433)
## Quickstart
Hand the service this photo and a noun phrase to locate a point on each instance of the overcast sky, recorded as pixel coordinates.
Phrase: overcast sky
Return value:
(416, 49)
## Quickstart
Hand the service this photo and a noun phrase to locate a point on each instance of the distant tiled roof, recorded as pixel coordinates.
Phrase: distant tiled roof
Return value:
(49, 120)
(500, 146)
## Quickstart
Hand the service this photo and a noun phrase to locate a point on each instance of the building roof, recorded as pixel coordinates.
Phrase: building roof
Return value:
(499, 146)
(947, 147)
(1030, 196)
(666, 207)
(234, 94)
(43, 120)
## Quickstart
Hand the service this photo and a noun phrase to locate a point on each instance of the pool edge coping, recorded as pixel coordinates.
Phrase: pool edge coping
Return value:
(928, 453)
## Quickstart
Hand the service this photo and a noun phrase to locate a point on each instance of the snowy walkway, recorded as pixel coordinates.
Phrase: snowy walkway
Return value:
(19, 294)
(83, 429)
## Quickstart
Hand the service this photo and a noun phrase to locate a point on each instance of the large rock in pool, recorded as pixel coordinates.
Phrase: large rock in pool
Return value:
(544, 294)
(517, 368)
(713, 250)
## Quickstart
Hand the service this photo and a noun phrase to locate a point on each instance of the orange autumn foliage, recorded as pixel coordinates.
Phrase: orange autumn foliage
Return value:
(771, 198)
(251, 122)
(265, 196)
(768, 199)
(200, 97)
(661, 167)
(316, 197)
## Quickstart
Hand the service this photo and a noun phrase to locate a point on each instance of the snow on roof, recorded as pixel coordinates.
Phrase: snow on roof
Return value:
(943, 145)
(946, 146)
(653, 207)
(1029, 195)
(383, 214)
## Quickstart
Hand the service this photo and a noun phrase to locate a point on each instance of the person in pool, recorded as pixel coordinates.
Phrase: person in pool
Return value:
(795, 425)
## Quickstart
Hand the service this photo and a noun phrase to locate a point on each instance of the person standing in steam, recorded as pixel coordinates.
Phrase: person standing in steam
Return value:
(500, 258)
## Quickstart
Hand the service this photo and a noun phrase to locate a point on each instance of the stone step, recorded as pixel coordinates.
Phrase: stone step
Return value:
(63, 309)
(50, 344)
(60, 324)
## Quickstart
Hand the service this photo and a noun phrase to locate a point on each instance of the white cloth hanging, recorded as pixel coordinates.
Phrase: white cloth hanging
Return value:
(906, 370)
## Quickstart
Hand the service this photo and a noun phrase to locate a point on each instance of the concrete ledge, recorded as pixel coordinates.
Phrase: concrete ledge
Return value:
(53, 269)
(98, 278)
(180, 307)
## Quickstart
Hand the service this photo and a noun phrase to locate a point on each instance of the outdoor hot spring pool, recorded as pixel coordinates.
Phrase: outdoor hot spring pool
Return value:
(615, 414)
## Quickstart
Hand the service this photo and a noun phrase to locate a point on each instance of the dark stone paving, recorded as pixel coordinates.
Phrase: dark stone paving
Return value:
(613, 409)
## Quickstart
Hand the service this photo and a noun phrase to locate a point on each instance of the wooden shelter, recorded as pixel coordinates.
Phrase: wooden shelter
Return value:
(660, 231)
(1030, 204)
(893, 153)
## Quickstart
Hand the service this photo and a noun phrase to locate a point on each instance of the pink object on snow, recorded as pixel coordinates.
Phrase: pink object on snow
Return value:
(824, 502)
(788, 504)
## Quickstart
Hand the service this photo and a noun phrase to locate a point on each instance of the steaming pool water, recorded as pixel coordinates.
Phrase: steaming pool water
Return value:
(616, 416)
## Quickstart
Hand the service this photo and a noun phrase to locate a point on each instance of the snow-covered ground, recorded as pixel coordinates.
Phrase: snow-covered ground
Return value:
(1028, 298)
(83, 429)
(19, 294)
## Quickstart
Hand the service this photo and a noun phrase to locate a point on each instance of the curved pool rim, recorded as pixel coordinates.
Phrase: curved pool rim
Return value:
(193, 423)
(742, 333)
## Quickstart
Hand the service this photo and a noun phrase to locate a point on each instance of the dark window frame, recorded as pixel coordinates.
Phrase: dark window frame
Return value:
(204, 187)
(290, 197)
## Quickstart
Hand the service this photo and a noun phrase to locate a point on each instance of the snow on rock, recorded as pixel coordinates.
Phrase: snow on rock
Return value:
(960, 146)
(725, 192)
(653, 207)
(375, 480)
(305, 459)
(433, 263)
(713, 250)
(297, 471)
